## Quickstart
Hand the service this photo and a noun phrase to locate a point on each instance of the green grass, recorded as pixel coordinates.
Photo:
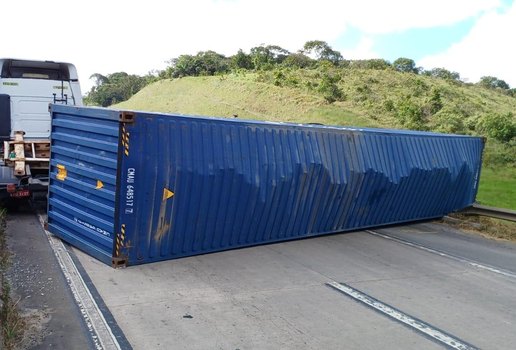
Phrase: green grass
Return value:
(11, 323)
(498, 187)
(366, 95)
(243, 96)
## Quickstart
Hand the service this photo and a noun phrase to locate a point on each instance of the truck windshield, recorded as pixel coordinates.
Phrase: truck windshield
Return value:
(35, 70)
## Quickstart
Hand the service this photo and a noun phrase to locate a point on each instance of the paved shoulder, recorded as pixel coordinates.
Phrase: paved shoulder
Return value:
(54, 319)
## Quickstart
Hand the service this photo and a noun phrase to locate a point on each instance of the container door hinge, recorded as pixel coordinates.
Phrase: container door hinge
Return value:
(126, 117)
(119, 262)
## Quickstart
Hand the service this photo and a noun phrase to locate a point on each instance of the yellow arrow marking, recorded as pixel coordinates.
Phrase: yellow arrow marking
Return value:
(167, 194)
(100, 184)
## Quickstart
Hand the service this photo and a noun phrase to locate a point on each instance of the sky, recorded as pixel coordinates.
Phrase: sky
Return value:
(472, 37)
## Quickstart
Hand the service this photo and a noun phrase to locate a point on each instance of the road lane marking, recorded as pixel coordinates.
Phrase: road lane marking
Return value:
(426, 329)
(102, 335)
(446, 255)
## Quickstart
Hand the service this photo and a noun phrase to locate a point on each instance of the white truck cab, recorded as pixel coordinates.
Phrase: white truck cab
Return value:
(30, 86)
(27, 87)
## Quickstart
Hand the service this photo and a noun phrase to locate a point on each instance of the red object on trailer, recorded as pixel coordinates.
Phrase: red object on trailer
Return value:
(11, 188)
(15, 192)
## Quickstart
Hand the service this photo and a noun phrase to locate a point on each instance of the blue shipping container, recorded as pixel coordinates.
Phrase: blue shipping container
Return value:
(136, 187)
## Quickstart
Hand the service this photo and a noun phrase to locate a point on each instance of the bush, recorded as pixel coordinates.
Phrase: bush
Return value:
(500, 154)
(329, 89)
(419, 87)
(501, 127)
(433, 103)
(388, 105)
(279, 77)
(449, 122)
(410, 114)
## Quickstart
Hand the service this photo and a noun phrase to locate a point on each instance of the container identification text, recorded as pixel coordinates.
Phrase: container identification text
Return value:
(129, 193)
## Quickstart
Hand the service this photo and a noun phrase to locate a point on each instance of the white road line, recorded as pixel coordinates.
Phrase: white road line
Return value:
(103, 337)
(449, 256)
(418, 325)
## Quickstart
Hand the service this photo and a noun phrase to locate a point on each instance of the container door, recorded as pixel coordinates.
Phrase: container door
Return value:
(83, 178)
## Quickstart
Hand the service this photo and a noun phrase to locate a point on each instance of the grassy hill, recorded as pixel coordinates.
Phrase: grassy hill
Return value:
(365, 97)
(243, 96)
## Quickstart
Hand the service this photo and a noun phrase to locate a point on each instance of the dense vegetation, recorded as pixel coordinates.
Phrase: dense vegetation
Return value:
(115, 87)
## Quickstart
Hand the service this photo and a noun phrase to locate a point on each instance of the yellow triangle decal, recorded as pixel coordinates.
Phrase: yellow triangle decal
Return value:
(167, 194)
(100, 184)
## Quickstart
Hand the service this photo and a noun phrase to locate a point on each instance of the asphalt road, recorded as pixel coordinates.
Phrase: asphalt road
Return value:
(277, 297)
(455, 286)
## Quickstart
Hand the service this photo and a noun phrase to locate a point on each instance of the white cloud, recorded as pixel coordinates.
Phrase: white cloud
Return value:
(381, 17)
(136, 36)
(363, 50)
(487, 50)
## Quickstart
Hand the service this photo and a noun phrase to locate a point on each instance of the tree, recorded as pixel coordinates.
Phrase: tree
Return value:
(322, 51)
(406, 65)
(265, 57)
(443, 73)
(493, 83)
(203, 63)
(261, 57)
(182, 66)
(114, 88)
(242, 60)
(298, 60)
(99, 79)
(211, 63)
(279, 54)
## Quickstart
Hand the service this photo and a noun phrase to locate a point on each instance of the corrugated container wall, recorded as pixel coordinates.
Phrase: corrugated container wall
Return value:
(136, 187)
